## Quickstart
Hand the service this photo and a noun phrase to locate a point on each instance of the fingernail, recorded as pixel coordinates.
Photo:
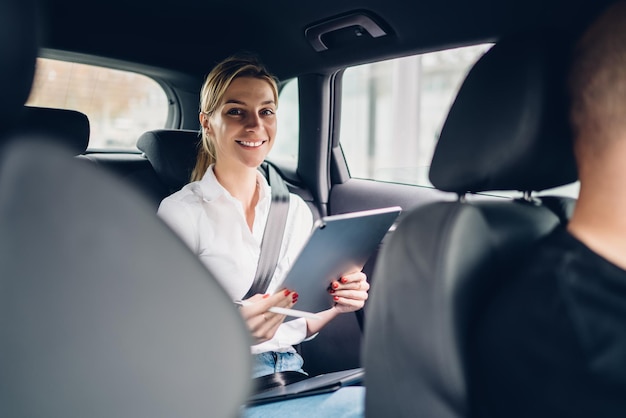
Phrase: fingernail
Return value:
(344, 280)
(335, 285)
(335, 298)
(287, 292)
(331, 290)
(265, 296)
(294, 297)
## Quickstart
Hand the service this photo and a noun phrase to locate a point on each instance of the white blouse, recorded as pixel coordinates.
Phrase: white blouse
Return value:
(212, 223)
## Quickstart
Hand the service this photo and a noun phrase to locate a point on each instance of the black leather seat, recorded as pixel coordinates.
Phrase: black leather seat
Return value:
(172, 153)
(104, 312)
(164, 167)
(69, 128)
(507, 130)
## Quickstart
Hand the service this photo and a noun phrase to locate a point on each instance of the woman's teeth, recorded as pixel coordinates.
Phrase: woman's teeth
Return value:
(251, 144)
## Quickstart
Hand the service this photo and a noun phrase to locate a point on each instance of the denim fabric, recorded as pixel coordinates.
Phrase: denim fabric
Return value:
(348, 402)
(271, 362)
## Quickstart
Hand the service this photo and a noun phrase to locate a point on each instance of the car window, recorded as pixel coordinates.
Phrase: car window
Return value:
(392, 112)
(120, 105)
(285, 148)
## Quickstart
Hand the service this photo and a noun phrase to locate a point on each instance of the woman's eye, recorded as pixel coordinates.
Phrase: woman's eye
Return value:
(267, 112)
(235, 112)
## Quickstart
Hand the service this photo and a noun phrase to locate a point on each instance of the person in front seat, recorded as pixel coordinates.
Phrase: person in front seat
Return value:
(222, 213)
(552, 343)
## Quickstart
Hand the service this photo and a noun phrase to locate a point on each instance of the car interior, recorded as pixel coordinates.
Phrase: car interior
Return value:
(86, 263)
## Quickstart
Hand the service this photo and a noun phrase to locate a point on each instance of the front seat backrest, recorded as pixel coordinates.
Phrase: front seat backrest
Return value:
(507, 130)
(104, 312)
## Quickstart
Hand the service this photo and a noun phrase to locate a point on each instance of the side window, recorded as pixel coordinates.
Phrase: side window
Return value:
(120, 105)
(393, 111)
(285, 148)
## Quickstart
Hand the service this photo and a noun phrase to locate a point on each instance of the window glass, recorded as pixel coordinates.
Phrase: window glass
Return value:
(285, 148)
(393, 111)
(120, 105)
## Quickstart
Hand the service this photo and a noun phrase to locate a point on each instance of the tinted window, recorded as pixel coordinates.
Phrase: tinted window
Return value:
(285, 148)
(393, 111)
(120, 105)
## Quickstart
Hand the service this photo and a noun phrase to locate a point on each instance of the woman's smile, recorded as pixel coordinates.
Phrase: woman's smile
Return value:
(251, 144)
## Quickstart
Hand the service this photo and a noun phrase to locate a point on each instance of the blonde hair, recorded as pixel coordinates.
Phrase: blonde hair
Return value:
(212, 93)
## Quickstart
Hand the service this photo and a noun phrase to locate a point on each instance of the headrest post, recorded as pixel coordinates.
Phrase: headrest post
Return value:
(462, 198)
(527, 196)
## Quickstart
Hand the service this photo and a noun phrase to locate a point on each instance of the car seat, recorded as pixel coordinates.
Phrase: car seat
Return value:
(172, 153)
(69, 128)
(18, 46)
(104, 312)
(507, 130)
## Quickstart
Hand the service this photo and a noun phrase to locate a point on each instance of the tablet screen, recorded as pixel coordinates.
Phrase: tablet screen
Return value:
(339, 244)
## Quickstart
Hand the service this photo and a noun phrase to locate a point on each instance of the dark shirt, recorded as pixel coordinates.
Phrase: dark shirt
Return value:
(552, 341)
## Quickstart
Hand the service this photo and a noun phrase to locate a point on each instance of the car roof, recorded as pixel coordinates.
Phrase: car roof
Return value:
(190, 36)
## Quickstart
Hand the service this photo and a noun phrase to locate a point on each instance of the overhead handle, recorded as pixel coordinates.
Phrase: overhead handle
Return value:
(363, 23)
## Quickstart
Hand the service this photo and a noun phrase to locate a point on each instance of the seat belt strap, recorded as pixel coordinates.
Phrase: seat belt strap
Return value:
(273, 233)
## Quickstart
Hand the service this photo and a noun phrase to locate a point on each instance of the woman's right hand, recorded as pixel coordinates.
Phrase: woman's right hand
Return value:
(262, 323)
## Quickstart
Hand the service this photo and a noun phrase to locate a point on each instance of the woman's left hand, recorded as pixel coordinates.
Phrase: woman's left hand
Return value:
(350, 292)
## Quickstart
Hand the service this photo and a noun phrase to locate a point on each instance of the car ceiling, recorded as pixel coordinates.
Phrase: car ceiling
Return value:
(189, 36)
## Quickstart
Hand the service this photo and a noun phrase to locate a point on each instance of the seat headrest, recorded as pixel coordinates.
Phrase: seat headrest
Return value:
(508, 128)
(172, 153)
(18, 52)
(67, 127)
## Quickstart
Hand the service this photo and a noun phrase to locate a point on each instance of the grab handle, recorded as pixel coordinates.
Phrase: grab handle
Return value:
(362, 22)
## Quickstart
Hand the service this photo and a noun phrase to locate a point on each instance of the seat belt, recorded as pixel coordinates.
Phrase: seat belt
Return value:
(268, 260)
(273, 233)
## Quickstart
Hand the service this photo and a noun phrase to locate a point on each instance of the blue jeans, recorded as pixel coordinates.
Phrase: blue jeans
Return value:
(271, 362)
(348, 402)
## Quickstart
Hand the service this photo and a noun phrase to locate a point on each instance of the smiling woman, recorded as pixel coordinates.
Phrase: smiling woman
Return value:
(222, 216)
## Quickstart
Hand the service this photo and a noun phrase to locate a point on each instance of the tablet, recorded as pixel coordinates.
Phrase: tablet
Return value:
(322, 383)
(339, 244)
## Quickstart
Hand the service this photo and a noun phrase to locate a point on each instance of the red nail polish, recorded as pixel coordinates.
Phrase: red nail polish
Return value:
(287, 292)
(335, 285)
(332, 291)
(344, 280)
(335, 298)
(294, 297)
(265, 296)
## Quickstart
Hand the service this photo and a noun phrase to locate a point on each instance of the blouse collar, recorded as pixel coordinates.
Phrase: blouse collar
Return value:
(210, 188)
